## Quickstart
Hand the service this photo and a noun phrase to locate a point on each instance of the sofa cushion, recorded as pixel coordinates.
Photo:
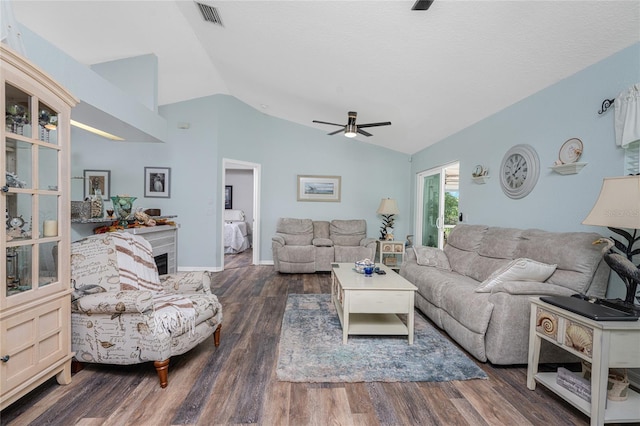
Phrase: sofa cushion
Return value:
(518, 270)
(574, 253)
(320, 229)
(348, 232)
(296, 232)
(431, 256)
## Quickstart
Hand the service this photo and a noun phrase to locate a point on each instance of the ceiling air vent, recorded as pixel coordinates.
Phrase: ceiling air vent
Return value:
(209, 13)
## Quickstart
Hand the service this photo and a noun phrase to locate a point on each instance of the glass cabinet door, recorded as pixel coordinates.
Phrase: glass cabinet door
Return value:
(32, 193)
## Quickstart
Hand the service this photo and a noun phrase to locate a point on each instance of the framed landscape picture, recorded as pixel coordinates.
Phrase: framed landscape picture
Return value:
(319, 188)
(157, 182)
(97, 179)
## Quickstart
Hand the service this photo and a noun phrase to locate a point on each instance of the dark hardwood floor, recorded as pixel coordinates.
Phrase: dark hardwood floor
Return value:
(235, 383)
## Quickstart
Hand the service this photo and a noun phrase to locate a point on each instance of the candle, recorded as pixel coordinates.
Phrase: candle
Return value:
(50, 228)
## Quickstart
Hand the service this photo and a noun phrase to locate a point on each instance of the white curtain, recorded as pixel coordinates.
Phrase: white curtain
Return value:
(627, 116)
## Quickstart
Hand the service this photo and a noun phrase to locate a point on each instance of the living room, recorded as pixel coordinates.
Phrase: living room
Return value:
(223, 127)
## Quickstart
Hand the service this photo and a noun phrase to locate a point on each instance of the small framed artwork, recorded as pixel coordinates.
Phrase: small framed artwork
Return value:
(97, 179)
(157, 182)
(228, 197)
(319, 188)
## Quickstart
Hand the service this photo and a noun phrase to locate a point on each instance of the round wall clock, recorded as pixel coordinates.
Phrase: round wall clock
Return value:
(519, 171)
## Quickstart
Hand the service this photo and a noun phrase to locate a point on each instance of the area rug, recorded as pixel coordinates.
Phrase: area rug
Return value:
(311, 350)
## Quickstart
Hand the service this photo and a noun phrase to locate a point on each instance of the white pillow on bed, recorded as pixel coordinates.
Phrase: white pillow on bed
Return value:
(233, 216)
(521, 269)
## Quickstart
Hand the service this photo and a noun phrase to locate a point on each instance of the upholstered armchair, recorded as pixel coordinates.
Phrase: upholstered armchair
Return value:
(124, 313)
(305, 245)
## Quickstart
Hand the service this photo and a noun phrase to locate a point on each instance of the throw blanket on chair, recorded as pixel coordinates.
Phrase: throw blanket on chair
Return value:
(173, 312)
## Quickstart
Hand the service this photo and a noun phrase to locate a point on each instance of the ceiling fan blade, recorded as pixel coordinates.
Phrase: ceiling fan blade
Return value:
(336, 132)
(362, 132)
(326, 122)
(386, 123)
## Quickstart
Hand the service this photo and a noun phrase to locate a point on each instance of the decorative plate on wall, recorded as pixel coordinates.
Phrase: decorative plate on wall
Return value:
(571, 151)
(519, 171)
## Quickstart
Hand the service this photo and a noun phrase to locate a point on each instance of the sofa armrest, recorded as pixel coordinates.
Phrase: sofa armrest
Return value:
(187, 282)
(532, 288)
(278, 240)
(322, 242)
(366, 242)
(114, 302)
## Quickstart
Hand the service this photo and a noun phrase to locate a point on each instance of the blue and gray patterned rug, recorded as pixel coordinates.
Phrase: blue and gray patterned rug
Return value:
(311, 350)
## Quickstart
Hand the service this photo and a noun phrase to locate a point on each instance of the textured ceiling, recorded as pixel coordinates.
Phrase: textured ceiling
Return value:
(431, 73)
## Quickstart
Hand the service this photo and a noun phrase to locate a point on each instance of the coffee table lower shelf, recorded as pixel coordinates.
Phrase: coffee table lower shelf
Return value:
(374, 324)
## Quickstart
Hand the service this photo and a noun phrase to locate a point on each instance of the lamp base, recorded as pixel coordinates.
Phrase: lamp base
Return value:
(620, 305)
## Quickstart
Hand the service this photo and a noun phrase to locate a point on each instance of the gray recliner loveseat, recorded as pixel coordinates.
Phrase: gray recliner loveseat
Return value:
(307, 246)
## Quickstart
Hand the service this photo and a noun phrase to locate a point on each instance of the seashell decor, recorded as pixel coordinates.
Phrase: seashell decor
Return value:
(547, 323)
(579, 338)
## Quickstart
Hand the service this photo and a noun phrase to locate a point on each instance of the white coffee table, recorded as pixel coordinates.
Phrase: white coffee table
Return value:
(369, 305)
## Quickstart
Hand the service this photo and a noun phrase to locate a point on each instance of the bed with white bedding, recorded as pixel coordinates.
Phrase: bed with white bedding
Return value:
(237, 232)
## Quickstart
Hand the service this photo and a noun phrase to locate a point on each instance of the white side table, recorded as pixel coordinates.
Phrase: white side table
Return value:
(614, 344)
(390, 253)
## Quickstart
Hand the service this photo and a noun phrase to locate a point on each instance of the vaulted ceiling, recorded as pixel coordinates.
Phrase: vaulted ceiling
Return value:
(431, 73)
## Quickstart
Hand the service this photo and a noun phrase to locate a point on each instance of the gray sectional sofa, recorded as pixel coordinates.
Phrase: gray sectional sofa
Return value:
(306, 246)
(475, 289)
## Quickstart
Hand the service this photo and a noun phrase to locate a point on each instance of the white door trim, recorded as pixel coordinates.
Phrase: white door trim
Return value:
(228, 164)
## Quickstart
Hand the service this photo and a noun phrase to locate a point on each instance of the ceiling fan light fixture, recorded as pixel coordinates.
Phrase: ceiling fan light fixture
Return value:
(350, 130)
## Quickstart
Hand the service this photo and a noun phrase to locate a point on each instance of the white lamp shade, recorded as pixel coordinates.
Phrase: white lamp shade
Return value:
(388, 206)
(618, 205)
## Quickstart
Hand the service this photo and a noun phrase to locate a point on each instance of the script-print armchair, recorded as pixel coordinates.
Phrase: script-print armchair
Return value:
(124, 313)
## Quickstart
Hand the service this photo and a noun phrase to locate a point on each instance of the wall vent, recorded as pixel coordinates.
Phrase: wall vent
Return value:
(209, 13)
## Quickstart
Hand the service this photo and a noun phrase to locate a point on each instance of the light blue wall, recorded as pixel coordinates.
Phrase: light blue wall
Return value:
(544, 120)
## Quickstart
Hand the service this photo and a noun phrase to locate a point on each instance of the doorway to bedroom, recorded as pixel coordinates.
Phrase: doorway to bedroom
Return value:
(240, 224)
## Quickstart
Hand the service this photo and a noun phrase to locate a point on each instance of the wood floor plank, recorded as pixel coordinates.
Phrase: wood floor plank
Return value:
(236, 384)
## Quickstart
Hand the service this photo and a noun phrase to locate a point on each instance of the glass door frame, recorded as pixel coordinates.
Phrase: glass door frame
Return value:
(420, 205)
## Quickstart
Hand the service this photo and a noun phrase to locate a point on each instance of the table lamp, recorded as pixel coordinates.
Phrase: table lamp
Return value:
(618, 206)
(388, 207)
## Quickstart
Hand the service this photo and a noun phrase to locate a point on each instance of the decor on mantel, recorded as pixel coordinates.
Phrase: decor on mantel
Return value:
(617, 207)
(388, 208)
(123, 205)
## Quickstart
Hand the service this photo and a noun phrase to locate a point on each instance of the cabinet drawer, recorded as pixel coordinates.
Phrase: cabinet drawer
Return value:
(380, 302)
(547, 323)
(579, 338)
(34, 340)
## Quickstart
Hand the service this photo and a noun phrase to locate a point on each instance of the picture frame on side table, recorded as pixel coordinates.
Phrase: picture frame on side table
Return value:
(97, 179)
(319, 188)
(228, 197)
(157, 182)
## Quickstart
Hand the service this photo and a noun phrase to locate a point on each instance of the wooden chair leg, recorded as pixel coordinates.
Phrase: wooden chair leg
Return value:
(216, 336)
(162, 368)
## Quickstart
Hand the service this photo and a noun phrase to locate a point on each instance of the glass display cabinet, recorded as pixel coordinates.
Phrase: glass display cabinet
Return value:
(35, 291)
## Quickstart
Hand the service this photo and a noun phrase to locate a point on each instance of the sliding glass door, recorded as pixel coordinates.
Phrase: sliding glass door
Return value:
(437, 201)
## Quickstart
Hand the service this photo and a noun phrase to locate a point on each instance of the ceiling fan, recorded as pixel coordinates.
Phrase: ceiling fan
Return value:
(351, 129)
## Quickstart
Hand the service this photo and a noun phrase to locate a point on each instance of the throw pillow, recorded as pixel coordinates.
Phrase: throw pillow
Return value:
(521, 269)
(431, 256)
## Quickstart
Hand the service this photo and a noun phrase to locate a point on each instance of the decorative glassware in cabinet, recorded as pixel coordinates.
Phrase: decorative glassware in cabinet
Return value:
(17, 111)
(19, 269)
(47, 124)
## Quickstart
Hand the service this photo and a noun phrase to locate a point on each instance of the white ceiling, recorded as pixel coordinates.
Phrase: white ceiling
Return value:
(431, 73)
